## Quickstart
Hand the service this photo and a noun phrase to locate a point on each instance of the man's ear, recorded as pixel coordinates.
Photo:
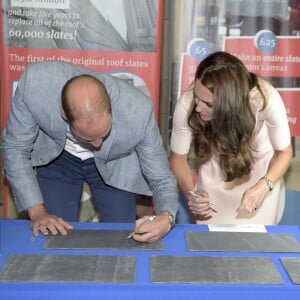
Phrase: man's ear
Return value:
(62, 112)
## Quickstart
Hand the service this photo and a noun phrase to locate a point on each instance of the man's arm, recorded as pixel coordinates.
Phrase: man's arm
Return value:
(17, 143)
(19, 136)
(155, 167)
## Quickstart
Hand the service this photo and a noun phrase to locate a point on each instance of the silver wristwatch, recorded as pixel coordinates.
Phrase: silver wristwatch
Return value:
(171, 220)
(170, 216)
(269, 183)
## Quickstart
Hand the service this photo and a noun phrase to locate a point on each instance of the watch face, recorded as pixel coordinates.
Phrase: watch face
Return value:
(171, 217)
(269, 183)
(171, 220)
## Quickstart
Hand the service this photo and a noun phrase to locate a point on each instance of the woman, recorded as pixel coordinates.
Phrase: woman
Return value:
(238, 126)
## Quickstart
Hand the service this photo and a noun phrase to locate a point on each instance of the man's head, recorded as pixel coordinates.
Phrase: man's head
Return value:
(86, 106)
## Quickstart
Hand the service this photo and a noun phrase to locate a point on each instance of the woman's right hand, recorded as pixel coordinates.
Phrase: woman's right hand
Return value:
(199, 204)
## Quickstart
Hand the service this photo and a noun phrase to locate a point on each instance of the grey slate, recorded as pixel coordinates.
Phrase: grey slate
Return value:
(98, 239)
(214, 269)
(69, 268)
(241, 241)
(292, 266)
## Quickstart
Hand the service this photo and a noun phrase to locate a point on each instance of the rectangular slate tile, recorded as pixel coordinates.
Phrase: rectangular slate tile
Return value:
(98, 239)
(68, 268)
(292, 266)
(214, 269)
(241, 241)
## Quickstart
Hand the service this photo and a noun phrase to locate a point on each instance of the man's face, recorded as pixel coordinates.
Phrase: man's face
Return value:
(92, 133)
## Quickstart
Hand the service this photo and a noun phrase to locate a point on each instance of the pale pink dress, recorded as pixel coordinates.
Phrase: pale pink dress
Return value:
(271, 132)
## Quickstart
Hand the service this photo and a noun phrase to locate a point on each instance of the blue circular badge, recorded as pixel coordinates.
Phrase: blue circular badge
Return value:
(199, 49)
(266, 41)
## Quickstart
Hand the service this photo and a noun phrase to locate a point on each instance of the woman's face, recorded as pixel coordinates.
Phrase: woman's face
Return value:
(203, 100)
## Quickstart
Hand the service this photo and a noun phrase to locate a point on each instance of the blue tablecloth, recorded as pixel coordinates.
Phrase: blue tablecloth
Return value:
(16, 238)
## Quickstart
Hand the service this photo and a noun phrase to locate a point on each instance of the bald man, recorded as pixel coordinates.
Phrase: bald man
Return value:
(68, 125)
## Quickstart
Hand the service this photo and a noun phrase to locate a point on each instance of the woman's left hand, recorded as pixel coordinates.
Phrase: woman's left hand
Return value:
(253, 198)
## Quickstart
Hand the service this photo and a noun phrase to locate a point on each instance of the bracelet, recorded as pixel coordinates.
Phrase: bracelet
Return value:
(269, 183)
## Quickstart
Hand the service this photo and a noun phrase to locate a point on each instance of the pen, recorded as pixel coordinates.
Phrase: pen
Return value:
(198, 196)
(150, 219)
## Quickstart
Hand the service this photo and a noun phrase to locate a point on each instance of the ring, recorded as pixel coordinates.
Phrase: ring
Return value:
(254, 208)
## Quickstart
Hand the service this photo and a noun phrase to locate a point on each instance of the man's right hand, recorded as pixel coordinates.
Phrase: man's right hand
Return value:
(42, 221)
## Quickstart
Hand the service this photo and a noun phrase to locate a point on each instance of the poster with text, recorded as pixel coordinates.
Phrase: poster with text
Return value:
(119, 37)
(265, 35)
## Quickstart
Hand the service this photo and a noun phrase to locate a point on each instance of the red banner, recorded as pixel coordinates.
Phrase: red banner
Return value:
(123, 39)
(284, 61)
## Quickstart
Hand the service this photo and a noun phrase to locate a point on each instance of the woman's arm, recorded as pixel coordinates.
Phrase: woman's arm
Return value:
(274, 115)
(279, 164)
(181, 169)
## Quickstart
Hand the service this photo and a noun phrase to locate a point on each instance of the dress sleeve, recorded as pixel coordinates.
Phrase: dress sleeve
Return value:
(181, 136)
(275, 116)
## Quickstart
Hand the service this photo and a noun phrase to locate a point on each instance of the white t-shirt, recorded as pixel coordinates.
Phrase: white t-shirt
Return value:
(74, 148)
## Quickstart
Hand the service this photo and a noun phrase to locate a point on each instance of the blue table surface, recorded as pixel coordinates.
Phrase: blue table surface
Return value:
(16, 238)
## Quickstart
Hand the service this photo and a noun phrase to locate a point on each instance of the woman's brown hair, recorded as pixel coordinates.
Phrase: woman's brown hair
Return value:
(228, 134)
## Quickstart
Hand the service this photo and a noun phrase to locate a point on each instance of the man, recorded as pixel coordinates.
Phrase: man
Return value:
(78, 125)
